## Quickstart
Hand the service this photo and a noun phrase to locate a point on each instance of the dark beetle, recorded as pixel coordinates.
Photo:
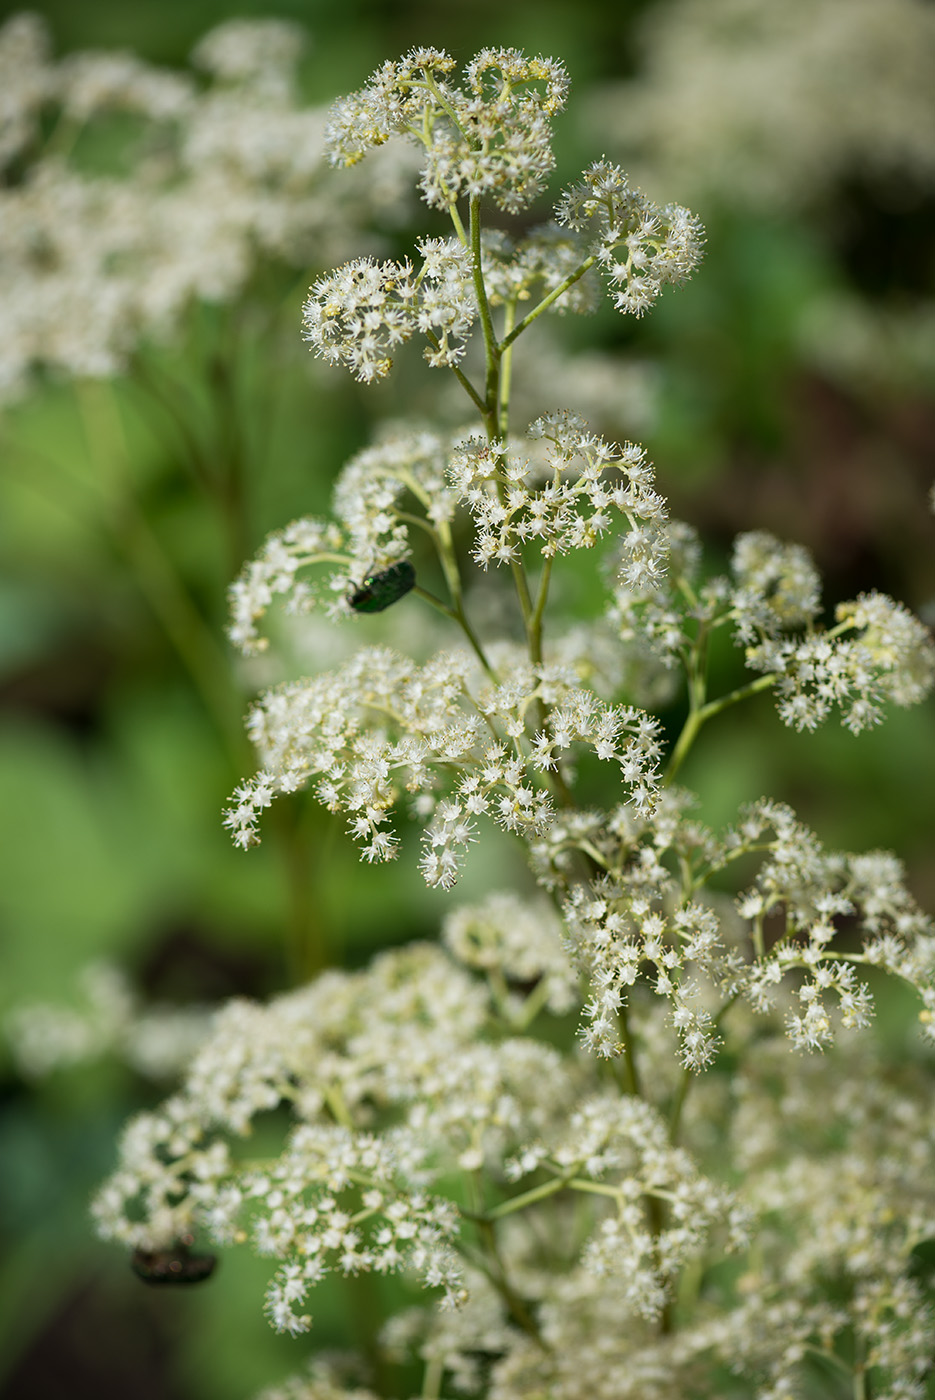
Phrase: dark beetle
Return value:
(173, 1265)
(380, 590)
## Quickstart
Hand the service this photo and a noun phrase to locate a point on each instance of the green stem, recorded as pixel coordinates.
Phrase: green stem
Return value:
(432, 1379)
(547, 301)
(159, 390)
(491, 349)
(506, 373)
(498, 1276)
(595, 1188)
(527, 1198)
(461, 377)
(533, 1004)
(305, 941)
(458, 615)
(535, 621)
(699, 714)
(232, 498)
(630, 1071)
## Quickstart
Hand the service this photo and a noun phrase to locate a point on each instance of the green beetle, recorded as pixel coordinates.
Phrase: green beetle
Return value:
(379, 591)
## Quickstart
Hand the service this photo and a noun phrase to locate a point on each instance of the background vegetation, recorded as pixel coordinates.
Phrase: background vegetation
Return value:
(120, 708)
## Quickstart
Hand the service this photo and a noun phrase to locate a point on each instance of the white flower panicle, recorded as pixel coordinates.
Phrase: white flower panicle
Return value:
(382, 726)
(353, 316)
(577, 504)
(778, 587)
(639, 246)
(876, 652)
(403, 1034)
(572, 1202)
(407, 1073)
(639, 924)
(491, 136)
(375, 495)
(359, 314)
(391, 103)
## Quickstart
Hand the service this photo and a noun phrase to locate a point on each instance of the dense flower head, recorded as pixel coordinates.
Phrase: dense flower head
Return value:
(382, 726)
(636, 920)
(778, 587)
(639, 245)
(876, 652)
(563, 1118)
(359, 314)
(415, 1071)
(491, 136)
(586, 485)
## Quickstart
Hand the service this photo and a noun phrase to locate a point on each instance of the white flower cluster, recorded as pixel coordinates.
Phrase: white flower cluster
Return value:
(808, 889)
(575, 1207)
(638, 922)
(403, 1034)
(374, 496)
(408, 1075)
(155, 1040)
(877, 651)
(639, 246)
(619, 930)
(657, 609)
(382, 724)
(217, 179)
(853, 1210)
(574, 508)
(622, 1142)
(777, 586)
(492, 136)
(357, 315)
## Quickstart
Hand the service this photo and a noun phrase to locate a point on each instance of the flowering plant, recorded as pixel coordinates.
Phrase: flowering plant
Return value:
(670, 1202)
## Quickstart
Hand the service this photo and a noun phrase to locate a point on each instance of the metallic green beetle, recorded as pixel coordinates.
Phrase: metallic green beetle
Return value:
(379, 591)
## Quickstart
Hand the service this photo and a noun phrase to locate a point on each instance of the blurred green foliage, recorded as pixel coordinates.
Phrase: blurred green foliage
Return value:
(120, 731)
